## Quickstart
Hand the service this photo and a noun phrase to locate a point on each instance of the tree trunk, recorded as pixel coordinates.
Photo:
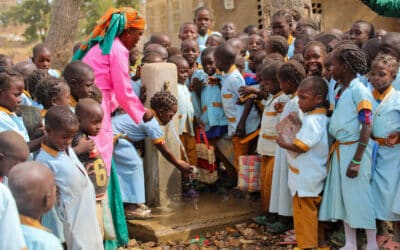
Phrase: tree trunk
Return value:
(298, 7)
(63, 28)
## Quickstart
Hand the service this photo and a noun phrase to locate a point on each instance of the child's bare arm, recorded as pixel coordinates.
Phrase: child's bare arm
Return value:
(248, 90)
(354, 166)
(289, 146)
(34, 145)
(181, 165)
(241, 127)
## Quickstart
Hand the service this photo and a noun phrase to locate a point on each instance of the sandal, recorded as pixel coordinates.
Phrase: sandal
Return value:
(338, 238)
(289, 240)
(138, 214)
(261, 220)
(278, 228)
(392, 245)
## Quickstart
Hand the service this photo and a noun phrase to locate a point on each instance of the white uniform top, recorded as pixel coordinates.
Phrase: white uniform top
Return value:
(185, 110)
(231, 82)
(10, 121)
(77, 201)
(307, 175)
(36, 236)
(267, 139)
(11, 236)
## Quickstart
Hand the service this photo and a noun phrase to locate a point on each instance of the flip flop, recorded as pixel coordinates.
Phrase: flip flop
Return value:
(261, 220)
(278, 228)
(289, 240)
(338, 238)
(382, 239)
(392, 245)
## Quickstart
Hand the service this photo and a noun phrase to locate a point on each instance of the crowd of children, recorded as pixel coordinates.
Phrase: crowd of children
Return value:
(338, 170)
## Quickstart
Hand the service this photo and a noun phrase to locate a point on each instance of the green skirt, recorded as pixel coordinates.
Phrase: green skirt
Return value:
(117, 211)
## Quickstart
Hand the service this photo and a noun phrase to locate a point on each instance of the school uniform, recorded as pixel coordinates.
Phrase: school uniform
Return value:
(349, 199)
(386, 177)
(267, 143)
(307, 175)
(281, 199)
(10, 121)
(231, 81)
(290, 41)
(136, 85)
(77, 201)
(26, 99)
(185, 119)
(128, 163)
(72, 104)
(396, 82)
(11, 236)
(37, 237)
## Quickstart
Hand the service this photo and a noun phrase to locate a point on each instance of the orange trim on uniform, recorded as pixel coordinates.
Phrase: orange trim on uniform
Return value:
(290, 39)
(26, 92)
(160, 140)
(294, 170)
(204, 109)
(271, 113)
(28, 221)
(227, 96)
(6, 110)
(217, 104)
(231, 69)
(268, 137)
(277, 94)
(364, 105)
(43, 113)
(72, 101)
(231, 119)
(316, 111)
(49, 150)
(250, 137)
(301, 145)
(247, 97)
(380, 97)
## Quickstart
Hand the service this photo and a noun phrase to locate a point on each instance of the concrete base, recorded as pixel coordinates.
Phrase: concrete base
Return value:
(183, 220)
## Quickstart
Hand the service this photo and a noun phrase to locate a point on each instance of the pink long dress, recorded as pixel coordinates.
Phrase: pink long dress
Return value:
(112, 78)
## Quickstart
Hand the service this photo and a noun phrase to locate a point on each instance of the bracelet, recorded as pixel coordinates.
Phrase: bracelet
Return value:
(356, 162)
(363, 144)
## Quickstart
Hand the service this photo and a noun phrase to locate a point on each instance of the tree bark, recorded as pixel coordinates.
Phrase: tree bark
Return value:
(63, 28)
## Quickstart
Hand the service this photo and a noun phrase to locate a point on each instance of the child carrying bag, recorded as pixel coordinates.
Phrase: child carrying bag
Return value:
(205, 159)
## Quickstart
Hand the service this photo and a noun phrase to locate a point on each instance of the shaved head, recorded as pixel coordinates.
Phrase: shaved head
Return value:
(33, 187)
(13, 150)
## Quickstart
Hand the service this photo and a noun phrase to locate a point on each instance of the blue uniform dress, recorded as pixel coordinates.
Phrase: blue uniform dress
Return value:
(231, 82)
(10, 121)
(128, 163)
(344, 198)
(385, 180)
(76, 206)
(11, 236)
(281, 199)
(396, 82)
(37, 237)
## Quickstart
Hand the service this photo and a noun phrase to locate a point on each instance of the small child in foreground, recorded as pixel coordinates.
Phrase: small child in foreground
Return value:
(308, 172)
(77, 201)
(33, 187)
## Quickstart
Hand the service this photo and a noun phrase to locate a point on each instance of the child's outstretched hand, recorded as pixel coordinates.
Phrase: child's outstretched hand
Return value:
(197, 86)
(392, 139)
(184, 167)
(85, 145)
(352, 170)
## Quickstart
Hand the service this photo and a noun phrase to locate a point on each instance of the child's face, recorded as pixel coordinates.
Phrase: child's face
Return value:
(60, 139)
(10, 98)
(254, 44)
(190, 51)
(188, 31)
(166, 116)
(82, 88)
(280, 27)
(359, 33)
(43, 59)
(314, 58)
(265, 86)
(308, 101)
(63, 98)
(381, 76)
(208, 65)
(203, 20)
(91, 123)
(228, 30)
(298, 46)
(183, 71)
(212, 42)
(389, 46)
(328, 68)
(338, 68)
